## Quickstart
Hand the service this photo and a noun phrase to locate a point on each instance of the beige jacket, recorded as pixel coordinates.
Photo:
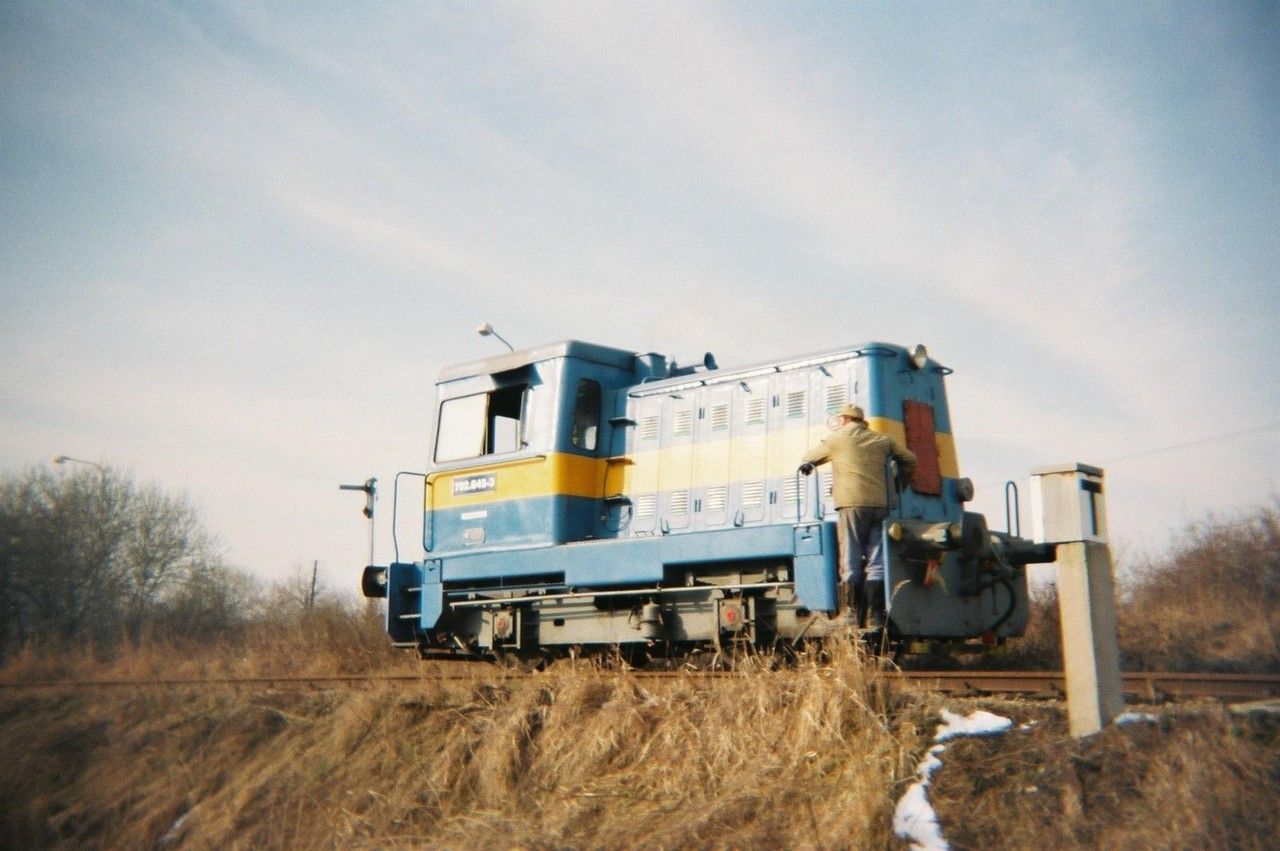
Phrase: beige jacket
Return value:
(857, 455)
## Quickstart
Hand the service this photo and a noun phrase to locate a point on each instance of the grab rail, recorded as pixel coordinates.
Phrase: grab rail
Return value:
(1014, 518)
(892, 493)
(799, 502)
(395, 505)
(817, 495)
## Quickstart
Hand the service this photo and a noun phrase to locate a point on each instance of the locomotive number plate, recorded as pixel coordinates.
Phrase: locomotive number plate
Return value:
(467, 485)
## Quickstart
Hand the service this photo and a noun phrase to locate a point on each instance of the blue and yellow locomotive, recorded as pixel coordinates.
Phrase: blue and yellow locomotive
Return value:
(584, 497)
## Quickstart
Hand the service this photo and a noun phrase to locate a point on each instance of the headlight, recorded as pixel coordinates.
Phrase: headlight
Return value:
(373, 582)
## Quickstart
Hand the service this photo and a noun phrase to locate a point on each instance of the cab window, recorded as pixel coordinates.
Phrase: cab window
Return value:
(506, 420)
(483, 424)
(586, 415)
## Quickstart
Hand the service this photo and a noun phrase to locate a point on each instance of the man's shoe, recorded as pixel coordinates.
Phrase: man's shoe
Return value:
(875, 605)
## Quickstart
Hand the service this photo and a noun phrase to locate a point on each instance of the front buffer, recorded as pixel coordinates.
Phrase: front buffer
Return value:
(957, 580)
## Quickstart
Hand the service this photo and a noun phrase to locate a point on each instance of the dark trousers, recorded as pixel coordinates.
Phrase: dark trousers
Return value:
(858, 530)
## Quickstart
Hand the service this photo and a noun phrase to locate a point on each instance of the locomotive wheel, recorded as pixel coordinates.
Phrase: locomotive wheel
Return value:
(525, 661)
(623, 656)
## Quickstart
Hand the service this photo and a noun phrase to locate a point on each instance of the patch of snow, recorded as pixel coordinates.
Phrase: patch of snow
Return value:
(913, 818)
(978, 723)
(930, 763)
(1028, 725)
(175, 830)
(1136, 718)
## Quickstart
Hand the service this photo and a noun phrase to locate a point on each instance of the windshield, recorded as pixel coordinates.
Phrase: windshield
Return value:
(483, 424)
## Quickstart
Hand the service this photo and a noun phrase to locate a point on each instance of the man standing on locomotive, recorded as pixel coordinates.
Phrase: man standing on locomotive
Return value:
(858, 459)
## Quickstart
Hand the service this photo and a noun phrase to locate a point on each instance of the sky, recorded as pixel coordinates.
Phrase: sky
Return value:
(238, 241)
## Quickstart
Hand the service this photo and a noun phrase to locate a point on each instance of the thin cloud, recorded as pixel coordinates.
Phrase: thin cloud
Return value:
(308, 219)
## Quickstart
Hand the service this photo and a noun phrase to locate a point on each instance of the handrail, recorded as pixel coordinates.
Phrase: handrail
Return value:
(891, 489)
(799, 501)
(798, 474)
(429, 533)
(817, 495)
(630, 592)
(724, 376)
(395, 505)
(1015, 518)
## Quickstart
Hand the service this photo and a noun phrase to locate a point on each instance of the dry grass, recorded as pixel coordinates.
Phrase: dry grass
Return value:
(1197, 779)
(570, 758)
(1212, 603)
(582, 757)
(328, 640)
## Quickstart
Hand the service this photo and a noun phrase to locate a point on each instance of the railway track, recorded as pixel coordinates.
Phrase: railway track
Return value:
(1143, 686)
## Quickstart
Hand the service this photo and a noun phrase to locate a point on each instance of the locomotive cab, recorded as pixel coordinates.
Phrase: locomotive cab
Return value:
(518, 447)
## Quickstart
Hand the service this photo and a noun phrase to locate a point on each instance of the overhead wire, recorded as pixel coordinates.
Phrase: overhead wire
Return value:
(1203, 441)
(1275, 426)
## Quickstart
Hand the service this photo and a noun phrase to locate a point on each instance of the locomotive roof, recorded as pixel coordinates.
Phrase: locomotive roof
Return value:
(699, 378)
(508, 361)
(624, 359)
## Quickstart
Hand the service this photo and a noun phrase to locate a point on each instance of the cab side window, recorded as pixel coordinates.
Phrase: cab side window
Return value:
(506, 419)
(586, 415)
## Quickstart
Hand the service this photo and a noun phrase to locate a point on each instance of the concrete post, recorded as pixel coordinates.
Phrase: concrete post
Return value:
(1090, 649)
(1069, 510)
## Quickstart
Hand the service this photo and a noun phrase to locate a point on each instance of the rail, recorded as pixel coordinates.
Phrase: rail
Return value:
(1139, 685)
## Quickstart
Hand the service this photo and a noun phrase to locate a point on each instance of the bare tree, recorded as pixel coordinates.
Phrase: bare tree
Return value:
(300, 593)
(211, 601)
(164, 545)
(61, 544)
(89, 555)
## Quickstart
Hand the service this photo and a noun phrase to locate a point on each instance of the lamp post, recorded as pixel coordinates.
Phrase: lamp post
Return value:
(370, 491)
(64, 459)
(103, 490)
(484, 329)
(102, 472)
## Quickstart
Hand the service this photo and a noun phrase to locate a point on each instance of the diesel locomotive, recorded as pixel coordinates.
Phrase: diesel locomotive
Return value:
(581, 497)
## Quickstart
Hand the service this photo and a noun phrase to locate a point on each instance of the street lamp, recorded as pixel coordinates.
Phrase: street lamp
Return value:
(102, 475)
(63, 459)
(484, 329)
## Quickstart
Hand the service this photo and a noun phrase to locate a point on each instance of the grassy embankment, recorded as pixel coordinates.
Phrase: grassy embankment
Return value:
(815, 756)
